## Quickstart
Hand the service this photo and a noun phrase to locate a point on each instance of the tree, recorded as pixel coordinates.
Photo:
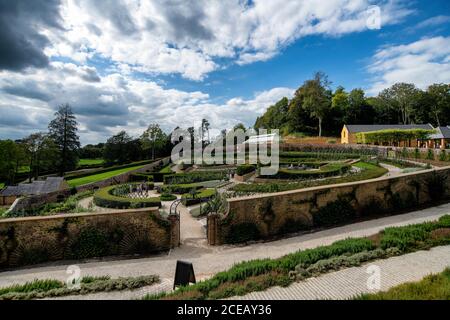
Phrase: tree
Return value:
(63, 131)
(154, 139)
(440, 106)
(204, 128)
(275, 117)
(117, 148)
(316, 97)
(8, 160)
(400, 95)
(41, 153)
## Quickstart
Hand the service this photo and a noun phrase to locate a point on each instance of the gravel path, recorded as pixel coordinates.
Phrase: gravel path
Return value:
(348, 283)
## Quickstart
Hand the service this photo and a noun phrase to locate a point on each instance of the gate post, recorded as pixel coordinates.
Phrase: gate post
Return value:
(212, 225)
(174, 230)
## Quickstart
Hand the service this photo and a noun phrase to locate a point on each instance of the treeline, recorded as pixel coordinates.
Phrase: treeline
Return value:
(316, 109)
(58, 150)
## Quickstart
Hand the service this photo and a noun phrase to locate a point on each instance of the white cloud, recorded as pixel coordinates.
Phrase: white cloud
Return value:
(423, 62)
(188, 37)
(114, 102)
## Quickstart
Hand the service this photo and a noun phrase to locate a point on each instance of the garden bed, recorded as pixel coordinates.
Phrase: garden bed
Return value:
(105, 198)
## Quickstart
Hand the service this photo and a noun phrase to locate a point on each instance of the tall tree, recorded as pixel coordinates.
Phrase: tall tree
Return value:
(117, 148)
(400, 96)
(154, 139)
(316, 97)
(440, 107)
(63, 131)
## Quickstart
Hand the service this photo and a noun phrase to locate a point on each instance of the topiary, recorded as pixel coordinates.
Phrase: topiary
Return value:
(89, 243)
(333, 213)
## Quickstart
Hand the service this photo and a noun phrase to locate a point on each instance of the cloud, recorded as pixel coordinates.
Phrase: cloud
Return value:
(193, 38)
(423, 63)
(115, 102)
(433, 21)
(22, 27)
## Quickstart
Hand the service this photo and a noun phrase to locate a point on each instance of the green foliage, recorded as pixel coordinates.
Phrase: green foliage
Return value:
(369, 171)
(430, 154)
(432, 287)
(39, 289)
(105, 198)
(216, 204)
(291, 226)
(168, 197)
(329, 170)
(392, 135)
(242, 232)
(417, 153)
(179, 188)
(443, 156)
(196, 176)
(90, 243)
(333, 213)
(195, 196)
(244, 169)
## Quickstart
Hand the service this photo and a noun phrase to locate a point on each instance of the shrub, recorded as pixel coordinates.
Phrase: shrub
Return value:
(242, 232)
(329, 170)
(90, 243)
(416, 153)
(244, 169)
(195, 197)
(334, 213)
(443, 156)
(168, 197)
(179, 188)
(105, 198)
(430, 154)
(196, 176)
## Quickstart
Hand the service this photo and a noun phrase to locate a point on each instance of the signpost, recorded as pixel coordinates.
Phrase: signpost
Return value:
(184, 274)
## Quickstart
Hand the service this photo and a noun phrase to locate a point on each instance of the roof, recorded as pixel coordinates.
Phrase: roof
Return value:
(441, 133)
(262, 138)
(36, 187)
(353, 128)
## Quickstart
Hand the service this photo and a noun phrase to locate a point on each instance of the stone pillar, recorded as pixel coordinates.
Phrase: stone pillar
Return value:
(212, 231)
(174, 230)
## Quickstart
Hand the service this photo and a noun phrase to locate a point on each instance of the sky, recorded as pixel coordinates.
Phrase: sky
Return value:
(124, 64)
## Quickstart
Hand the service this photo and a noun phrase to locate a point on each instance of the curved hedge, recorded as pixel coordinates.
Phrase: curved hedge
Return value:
(244, 169)
(104, 198)
(326, 171)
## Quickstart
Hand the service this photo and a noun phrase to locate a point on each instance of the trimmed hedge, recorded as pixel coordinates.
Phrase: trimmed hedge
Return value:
(104, 198)
(244, 169)
(189, 200)
(168, 197)
(329, 170)
(179, 188)
(196, 176)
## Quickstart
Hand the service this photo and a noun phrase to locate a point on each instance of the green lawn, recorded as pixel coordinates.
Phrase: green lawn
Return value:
(100, 176)
(433, 287)
(87, 162)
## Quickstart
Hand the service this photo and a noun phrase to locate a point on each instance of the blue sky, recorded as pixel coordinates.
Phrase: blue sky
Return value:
(125, 64)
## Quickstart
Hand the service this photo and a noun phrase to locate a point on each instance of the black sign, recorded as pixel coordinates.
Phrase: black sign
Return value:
(184, 274)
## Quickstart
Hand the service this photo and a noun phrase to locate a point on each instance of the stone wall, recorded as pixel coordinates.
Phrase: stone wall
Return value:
(36, 201)
(270, 215)
(31, 240)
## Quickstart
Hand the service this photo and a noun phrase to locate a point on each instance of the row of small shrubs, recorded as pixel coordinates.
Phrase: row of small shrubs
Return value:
(244, 169)
(168, 197)
(320, 155)
(329, 170)
(105, 198)
(39, 289)
(196, 176)
(256, 275)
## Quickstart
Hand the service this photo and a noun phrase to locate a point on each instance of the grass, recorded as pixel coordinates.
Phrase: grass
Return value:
(432, 287)
(257, 275)
(100, 176)
(89, 162)
(39, 289)
(166, 169)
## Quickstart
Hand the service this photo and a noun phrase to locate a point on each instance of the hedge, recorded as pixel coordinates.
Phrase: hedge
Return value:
(179, 188)
(329, 170)
(202, 196)
(104, 198)
(196, 176)
(244, 169)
